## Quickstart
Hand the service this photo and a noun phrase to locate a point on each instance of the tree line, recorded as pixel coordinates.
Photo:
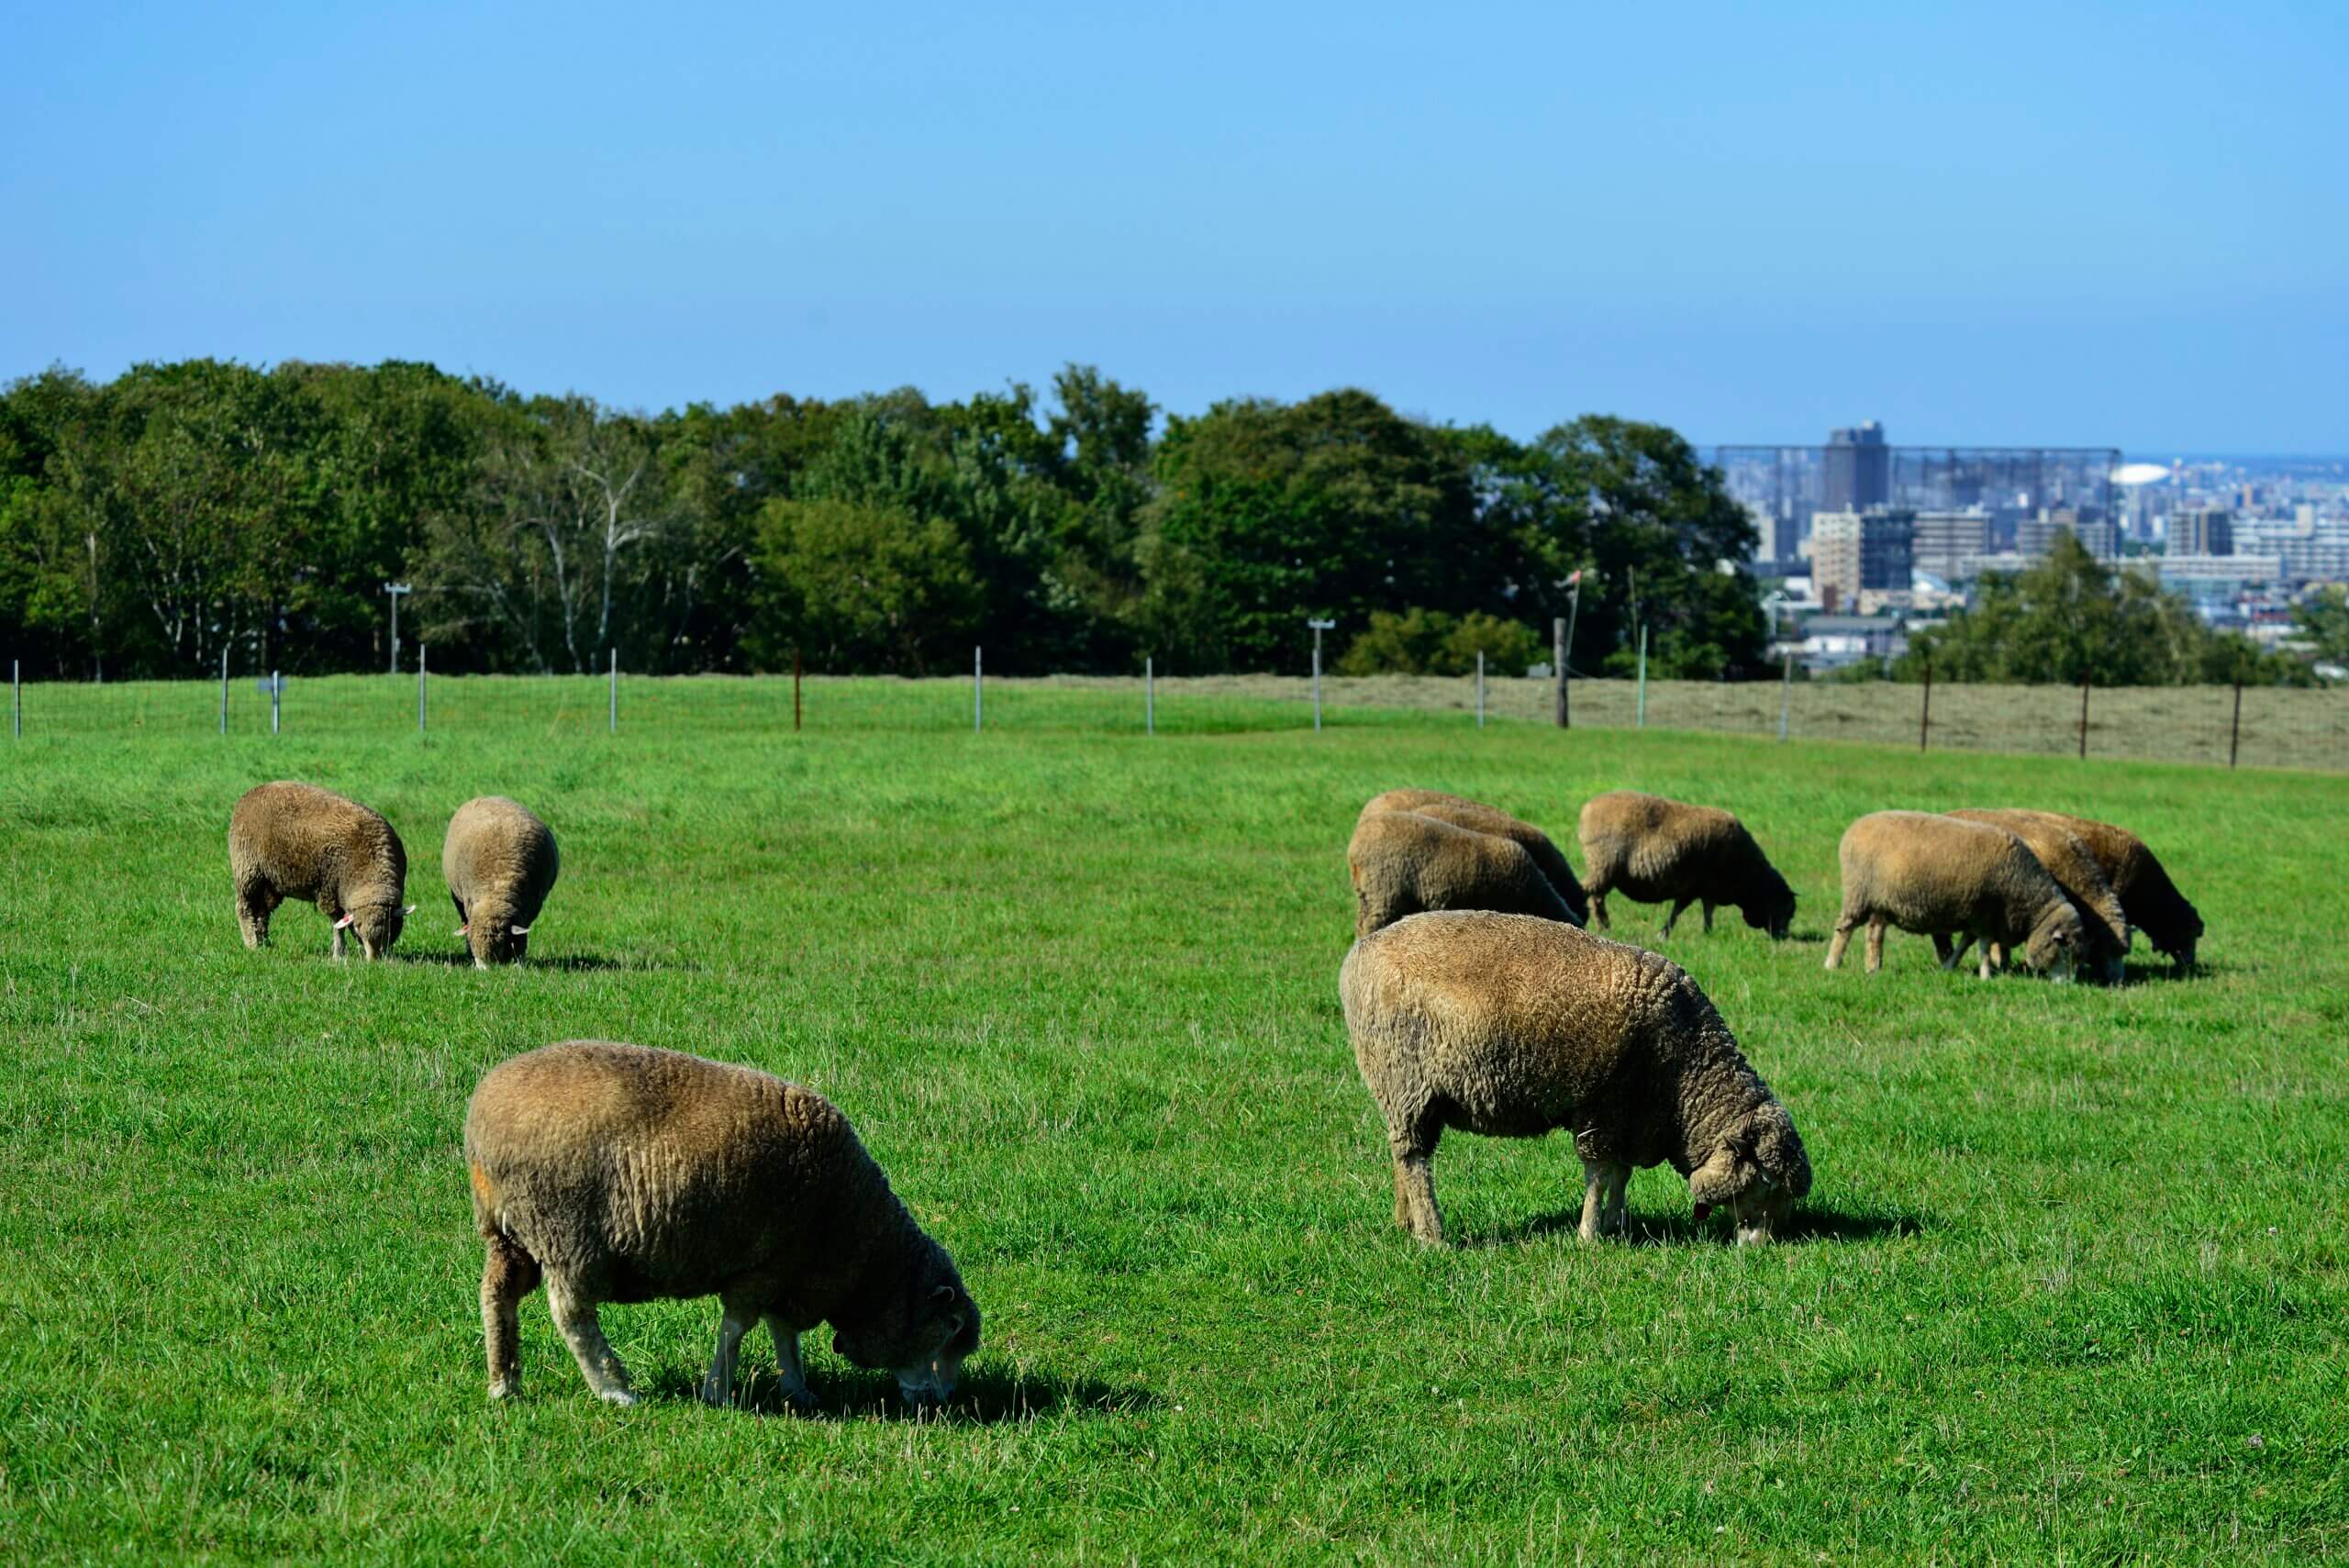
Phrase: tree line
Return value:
(148, 523)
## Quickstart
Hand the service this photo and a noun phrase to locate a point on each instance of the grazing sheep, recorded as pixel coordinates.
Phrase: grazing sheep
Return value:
(1661, 852)
(500, 861)
(1514, 1027)
(621, 1173)
(2153, 901)
(295, 840)
(1942, 877)
(2073, 866)
(1402, 862)
(1462, 812)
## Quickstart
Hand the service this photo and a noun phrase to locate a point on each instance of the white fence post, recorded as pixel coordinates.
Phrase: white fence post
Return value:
(1480, 690)
(16, 692)
(276, 696)
(1149, 698)
(420, 688)
(1785, 694)
(612, 714)
(978, 689)
(224, 691)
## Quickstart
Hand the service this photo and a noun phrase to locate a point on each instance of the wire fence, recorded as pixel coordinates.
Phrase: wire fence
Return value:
(2220, 726)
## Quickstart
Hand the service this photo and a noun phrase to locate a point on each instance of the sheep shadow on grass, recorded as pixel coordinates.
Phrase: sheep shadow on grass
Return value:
(983, 1396)
(1808, 1223)
(561, 963)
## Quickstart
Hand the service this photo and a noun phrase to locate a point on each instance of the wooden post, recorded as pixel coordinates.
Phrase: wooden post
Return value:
(224, 691)
(1480, 689)
(1558, 667)
(978, 689)
(1149, 696)
(795, 691)
(2234, 730)
(1925, 718)
(420, 688)
(2084, 718)
(1785, 693)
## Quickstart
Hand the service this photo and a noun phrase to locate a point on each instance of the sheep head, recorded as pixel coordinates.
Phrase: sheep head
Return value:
(2056, 942)
(922, 1332)
(377, 922)
(1757, 1170)
(1773, 910)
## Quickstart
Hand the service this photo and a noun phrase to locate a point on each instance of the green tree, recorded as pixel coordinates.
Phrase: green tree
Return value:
(863, 585)
(2323, 619)
(1429, 642)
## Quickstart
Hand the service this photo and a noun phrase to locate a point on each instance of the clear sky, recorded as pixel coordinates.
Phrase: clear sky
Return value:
(1979, 222)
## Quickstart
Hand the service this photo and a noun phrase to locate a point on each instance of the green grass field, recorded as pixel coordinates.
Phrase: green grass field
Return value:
(2070, 1285)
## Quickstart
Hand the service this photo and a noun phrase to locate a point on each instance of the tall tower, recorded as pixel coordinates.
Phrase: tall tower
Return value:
(1859, 469)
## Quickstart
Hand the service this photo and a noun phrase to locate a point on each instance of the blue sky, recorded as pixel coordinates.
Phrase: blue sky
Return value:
(1980, 223)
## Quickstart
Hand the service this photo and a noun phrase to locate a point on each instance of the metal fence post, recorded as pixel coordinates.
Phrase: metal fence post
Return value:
(1319, 627)
(224, 691)
(612, 713)
(1785, 694)
(276, 696)
(979, 688)
(1925, 718)
(1643, 676)
(16, 694)
(1149, 695)
(2084, 718)
(795, 691)
(2235, 729)
(1480, 690)
(420, 688)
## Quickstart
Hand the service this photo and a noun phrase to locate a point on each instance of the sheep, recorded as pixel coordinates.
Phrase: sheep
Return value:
(500, 861)
(2153, 903)
(295, 840)
(2073, 866)
(1660, 851)
(1942, 877)
(1514, 1027)
(1462, 812)
(1402, 862)
(620, 1173)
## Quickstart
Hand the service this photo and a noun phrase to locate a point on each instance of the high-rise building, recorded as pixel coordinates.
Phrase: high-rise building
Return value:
(1855, 551)
(2201, 531)
(2036, 535)
(1858, 469)
(1947, 543)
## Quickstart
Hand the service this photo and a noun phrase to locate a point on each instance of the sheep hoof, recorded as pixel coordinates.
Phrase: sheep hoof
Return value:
(620, 1397)
(505, 1389)
(802, 1402)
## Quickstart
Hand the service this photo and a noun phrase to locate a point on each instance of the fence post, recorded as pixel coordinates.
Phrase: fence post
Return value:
(1785, 693)
(1558, 667)
(612, 712)
(1149, 695)
(224, 691)
(795, 691)
(979, 688)
(1644, 675)
(276, 695)
(2234, 730)
(420, 688)
(16, 692)
(1925, 718)
(1480, 690)
(2084, 718)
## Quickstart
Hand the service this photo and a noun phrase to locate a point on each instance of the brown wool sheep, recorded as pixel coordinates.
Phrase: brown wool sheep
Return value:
(1667, 852)
(1514, 1027)
(1402, 862)
(500, 861)
(2073, 866)
(295, 840)
(1462, 812)
(2151, 901)
(619, 1174)
(1945, 878)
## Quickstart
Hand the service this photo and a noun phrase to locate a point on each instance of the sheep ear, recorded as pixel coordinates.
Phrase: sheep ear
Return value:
(943, 1292)
(462, 929)
(1713, 1182)
(346, 920)
(407, 911)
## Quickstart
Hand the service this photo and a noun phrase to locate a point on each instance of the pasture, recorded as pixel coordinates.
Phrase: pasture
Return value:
(2070, 1285)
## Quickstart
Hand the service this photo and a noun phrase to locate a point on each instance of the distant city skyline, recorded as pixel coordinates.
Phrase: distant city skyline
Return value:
(1753, 225)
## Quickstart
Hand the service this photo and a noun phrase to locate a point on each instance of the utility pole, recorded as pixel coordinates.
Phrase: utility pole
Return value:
(395, 590)
(1319, 627)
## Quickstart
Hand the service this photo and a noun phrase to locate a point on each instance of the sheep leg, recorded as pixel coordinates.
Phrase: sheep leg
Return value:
(507, 1275)
(1414, 1148)
(1679, 906)
(1615, 1217)
(788, 1367)
(1599, 907)
(734, 1320)
(254, 902)
(337, 918)
(584, 1333)
(1602, 1200)
(1844, 922)
(1875, 945)
(1709, 916)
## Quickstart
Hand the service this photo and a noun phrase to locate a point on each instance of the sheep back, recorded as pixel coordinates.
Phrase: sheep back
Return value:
(1402, 862)
(500, 861)
(1462, 812)
(1664, 852)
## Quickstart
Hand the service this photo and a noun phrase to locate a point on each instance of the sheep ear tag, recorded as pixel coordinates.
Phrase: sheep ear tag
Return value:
(462, 929)
(407, 912)
(346, 920)
(521, 930)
